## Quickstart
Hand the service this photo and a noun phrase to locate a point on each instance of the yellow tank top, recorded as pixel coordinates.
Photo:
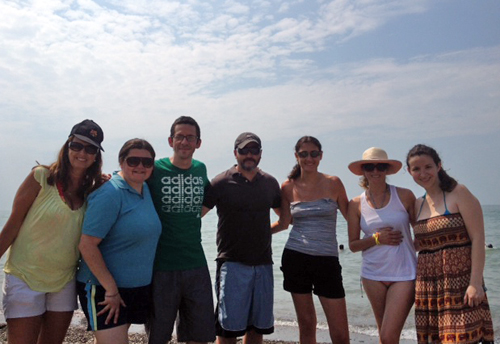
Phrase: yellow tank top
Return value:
(45, 252)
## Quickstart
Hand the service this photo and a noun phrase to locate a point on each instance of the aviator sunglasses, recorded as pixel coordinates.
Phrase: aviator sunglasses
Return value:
(313, 154)
(134, 161)
(251, 150)
(77, 146)
(372, 167)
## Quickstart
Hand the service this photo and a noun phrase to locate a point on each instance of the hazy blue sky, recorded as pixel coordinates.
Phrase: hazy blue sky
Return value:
(355, 74)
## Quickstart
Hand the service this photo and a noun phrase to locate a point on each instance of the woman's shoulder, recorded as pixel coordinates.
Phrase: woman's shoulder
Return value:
(405, 193)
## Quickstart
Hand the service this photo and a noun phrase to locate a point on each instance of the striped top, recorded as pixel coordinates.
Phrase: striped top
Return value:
(314, 230)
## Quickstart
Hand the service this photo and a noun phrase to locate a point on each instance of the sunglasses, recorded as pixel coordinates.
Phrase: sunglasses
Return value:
(251, 150)
(134, 161)
(77, 146)
(189, 138)
(313, 154)
(372, 167)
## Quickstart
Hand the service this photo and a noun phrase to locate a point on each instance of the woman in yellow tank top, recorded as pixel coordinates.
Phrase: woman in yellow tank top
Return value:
(42, 232)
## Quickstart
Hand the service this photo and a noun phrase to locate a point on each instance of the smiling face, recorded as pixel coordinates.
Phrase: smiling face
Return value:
(308, 163)
(375, 175)
(138, 174)
(183, 149)
(81, 159)
(424, 171)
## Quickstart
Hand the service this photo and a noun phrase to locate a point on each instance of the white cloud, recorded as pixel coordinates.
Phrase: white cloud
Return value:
(134, 66)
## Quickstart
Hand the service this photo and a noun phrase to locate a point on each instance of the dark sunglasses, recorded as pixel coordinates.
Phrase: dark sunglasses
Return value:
(251, 150)
(371, 167)
(134, 161)
(313, 154)
(77, 146)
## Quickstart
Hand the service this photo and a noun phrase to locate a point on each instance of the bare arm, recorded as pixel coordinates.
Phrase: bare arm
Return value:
(204, 210)
(285, 217)
(342, 199)
(25, 196)
(470, 209)
(408, 199)
(89, 248)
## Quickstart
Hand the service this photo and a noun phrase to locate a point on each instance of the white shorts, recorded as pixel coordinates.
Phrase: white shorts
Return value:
(20, 301)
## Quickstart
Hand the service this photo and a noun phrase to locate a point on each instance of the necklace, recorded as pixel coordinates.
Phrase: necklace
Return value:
(373, 198)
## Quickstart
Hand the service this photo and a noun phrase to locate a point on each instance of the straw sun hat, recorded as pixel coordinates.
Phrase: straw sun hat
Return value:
(374, 155)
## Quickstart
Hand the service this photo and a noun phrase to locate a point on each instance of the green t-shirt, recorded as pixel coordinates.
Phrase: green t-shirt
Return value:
(178, 198)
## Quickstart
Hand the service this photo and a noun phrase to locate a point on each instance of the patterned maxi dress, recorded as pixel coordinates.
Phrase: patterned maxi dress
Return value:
(443, 274)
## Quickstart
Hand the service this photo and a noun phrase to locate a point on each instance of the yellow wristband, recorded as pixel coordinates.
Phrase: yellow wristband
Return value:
(376, 236)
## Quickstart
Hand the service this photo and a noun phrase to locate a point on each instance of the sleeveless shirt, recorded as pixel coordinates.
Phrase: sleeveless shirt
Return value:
(387, 262)
(314, 227)
(45, 252)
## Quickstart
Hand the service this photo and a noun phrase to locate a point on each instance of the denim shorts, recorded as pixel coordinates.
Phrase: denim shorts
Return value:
(244, 299)
(304, 273)
(137, 300)
(20, 301)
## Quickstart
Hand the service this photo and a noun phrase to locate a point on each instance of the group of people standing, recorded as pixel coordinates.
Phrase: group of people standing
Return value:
(142, 262)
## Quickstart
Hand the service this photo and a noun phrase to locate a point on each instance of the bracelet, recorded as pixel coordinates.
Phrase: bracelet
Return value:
(376, 237)
(111, 295)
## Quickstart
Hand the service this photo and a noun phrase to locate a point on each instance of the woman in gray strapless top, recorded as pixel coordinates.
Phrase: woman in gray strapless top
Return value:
(310, 261)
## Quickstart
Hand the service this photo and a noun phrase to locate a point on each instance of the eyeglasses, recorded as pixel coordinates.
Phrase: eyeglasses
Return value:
(251, 150)
(77, 146)
(134, 161)
(372, 167)
(313, 154)
(189, 138)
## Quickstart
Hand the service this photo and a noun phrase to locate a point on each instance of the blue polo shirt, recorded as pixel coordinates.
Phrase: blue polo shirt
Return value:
(129, 227)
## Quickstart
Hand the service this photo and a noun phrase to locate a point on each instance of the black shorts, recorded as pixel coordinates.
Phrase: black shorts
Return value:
(138, 301)
(304, 273)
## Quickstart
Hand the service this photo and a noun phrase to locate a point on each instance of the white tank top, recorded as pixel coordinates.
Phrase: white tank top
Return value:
(385, 262)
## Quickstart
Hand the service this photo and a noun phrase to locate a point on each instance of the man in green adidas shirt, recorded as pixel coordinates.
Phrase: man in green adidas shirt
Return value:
(181, 281)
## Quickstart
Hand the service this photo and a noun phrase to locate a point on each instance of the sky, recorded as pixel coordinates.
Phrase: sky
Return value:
(354, 74)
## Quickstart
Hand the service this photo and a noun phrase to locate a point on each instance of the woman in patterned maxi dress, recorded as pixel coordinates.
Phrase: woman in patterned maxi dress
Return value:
(451, 305)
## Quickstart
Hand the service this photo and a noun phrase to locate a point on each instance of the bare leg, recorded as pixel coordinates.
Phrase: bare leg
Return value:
(336, 316)
(376, 292)
(222, 340)
(306, 317)
(391, 304)
(54, 327)
(115, 335)
(399, 300)
(23, 330)
(252, 337)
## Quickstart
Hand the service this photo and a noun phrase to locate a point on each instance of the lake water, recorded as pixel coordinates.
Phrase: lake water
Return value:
(361, 319)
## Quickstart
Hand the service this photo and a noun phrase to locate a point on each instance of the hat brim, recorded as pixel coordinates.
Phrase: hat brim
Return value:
(86, 139)
(356, 166)
(245, 142)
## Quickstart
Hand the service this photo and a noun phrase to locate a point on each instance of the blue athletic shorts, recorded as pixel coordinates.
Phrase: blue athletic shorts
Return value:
(244, 299)
(304, 273)
(138, 301)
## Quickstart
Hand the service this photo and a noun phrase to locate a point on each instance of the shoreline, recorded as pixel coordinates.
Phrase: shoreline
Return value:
(77, 333)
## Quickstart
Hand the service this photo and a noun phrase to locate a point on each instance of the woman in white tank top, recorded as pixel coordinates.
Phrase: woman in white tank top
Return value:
(383, 214)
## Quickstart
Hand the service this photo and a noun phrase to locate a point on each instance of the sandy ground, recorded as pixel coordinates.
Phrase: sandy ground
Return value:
(78, 334)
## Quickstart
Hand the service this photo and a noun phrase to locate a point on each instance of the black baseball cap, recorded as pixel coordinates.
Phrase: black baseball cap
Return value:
(88, 131)
(245, 138)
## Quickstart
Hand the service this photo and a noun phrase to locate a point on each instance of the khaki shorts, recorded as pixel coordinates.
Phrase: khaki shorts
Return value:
(20, 301)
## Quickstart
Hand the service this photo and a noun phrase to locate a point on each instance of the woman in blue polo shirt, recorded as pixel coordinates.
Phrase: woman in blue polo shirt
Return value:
(118, 245)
